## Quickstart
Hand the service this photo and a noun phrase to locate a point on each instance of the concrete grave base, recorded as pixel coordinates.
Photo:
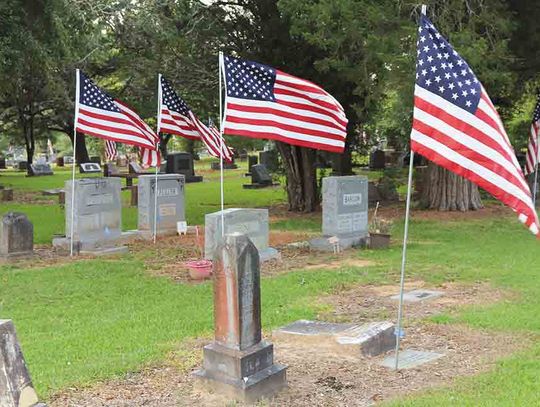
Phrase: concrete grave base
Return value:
(259, 186)
(418, 295)
(63, 244)
(410, 358)
(16, 389)
(245, 375)
(269, 254)
(370, 339)
(15, 256)
(345, 242)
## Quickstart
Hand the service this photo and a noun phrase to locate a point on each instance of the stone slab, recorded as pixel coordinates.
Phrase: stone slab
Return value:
(370, 339)
(345, 242)
(89, 168)
(16, 389)
(418, 295)
(16, 236)
(410, 358)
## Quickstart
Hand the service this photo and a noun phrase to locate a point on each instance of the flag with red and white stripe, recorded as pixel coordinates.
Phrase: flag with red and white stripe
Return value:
(99, 115)
(227, 152)
(177, 118)
(533, 149)
(263, 102)
(456, 125)
(110, 150)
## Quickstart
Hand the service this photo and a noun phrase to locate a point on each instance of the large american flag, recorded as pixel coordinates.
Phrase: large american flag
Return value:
(533, 151)
(177, 118)
(456, 125)
(263, 102)
(99, 115)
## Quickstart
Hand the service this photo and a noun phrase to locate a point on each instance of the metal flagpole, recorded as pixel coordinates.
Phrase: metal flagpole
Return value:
(220, 62)
(157, 152)
(77, 79)
(404, 252)
(535, 185)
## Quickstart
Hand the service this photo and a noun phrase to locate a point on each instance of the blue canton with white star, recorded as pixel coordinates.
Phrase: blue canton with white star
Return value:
(171, 99)
(92, 96)
(249, 80)
(441, 70)
(536, 116)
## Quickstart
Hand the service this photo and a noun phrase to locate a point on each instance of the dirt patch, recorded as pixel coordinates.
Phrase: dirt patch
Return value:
(369, 303)
(318, 378)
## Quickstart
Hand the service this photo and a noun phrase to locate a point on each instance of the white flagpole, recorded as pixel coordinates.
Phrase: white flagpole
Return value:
(77, 82)
(404, 252)
(156, 178)
(220, 62)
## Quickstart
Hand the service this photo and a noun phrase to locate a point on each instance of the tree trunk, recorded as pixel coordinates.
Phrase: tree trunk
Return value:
(447, 191)
(164, 141)
(301, 174)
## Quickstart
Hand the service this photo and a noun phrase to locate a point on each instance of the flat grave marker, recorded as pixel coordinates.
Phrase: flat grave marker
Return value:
(410, 358)
(418, 295)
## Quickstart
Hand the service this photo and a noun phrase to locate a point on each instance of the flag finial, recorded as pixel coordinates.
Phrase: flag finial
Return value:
(424, 9)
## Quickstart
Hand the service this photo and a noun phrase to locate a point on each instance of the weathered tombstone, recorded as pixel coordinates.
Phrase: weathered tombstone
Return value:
(68, 159)
(21, 165)
(344, 211)
(110, 170)
(2, 163)
(270, 159)
(59, 161)
(418, 295)
(377, 160)
(252, 160)
(369, 339)
(16, 236)
(97, 219)
(239, 364)
(260, 177)
(89, 168)
(170, 203)
(40, 170)
(16, 389)
(248, 221)
(96, 159)
(182, 163)
(408, 359)
(226, 165)
(135, 168)
(7, 194)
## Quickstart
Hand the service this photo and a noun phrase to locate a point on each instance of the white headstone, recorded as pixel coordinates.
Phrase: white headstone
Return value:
(250, 222)
(170, 202)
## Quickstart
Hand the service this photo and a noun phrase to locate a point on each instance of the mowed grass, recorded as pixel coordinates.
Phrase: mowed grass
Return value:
(96, 319)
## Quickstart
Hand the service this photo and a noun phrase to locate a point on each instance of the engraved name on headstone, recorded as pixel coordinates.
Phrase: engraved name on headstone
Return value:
(170, 202)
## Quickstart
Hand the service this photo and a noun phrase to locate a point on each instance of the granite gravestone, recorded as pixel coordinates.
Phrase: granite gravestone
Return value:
(16, 236)
(260, 177)
(96, 159)
(251, 222)
(89, 168)
(16, 389)
(270, 159)
(344, 211)
(182, 163)
(252, 160)
(59, 161)
(377, 160)
(2, 163)
(239, 364)
(40, 169)
(97, 224)
(170, 203)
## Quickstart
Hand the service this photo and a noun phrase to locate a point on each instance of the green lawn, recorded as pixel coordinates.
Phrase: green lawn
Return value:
(95, 319)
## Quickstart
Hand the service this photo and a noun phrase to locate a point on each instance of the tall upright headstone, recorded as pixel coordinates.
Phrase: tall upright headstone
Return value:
(170, 203)
(248, 221)
(344, 212)
(16, 389)
(182, 163)
(97, 221)
(270, 159)
(16, 236)
(239, 364)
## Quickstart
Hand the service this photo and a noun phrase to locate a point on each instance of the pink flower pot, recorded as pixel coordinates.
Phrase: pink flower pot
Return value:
(199, 269)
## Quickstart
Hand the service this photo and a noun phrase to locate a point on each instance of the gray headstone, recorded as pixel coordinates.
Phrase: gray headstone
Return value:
(260, 175)
(16, 235)
(410, 358)
(345, 206)
(239, 364)
(170, 202)
(418, 295)
(98, 211)
(16, 389)
(89, 168)
(270, 159)
(40, 169)
(251, 222)
(135, 168)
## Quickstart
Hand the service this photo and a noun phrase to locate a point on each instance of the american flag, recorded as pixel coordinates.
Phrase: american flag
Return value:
(177, 118)
(110, 150)
(99, 115)
(263, 102)
(456, 125)
(533, 152)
